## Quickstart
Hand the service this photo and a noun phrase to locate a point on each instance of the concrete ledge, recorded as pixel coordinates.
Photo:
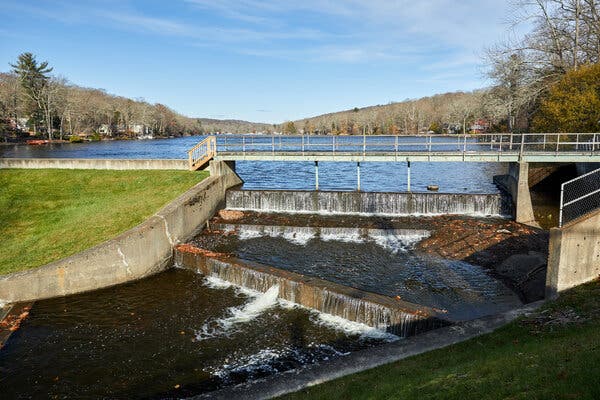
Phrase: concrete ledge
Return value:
(397, 316)
(293, 381)
(92, 163)
(574, 254)
(141, 251)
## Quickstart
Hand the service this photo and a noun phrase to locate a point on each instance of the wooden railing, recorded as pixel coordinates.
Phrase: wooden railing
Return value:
(202, 153)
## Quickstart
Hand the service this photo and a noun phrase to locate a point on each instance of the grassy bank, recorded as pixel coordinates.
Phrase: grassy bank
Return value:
(50, 214)
(554, 354)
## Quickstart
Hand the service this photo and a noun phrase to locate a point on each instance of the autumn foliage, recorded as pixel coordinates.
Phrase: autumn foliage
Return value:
(572, 104)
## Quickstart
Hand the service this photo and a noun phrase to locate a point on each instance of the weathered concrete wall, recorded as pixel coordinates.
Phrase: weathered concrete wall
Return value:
(139, 252)
(574, 254)
(89, 163)
(394, 315)
(516, 183)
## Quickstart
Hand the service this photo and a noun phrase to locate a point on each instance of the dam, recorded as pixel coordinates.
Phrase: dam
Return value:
(298, 276)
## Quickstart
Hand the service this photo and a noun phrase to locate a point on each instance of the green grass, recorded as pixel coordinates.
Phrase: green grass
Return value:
(537, 357)
(46, 215)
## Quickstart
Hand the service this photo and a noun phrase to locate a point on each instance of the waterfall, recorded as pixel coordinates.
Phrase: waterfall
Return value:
(361, 203)
(395, 316)
(390, 239)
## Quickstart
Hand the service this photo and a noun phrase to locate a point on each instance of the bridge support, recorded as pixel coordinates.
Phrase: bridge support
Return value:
(407, 176)
(316, 175)
(516, 183)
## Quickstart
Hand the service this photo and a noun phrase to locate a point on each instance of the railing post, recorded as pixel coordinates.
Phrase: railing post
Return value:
(358, 176)
(430, 137)
(273, 144)
(333, 143)
(522, 145)
(500, 148)
(577, 142)
(593, 142)
(557, 142)
(302, 144)
(511, 141)
(465, 144)
(364, 148)
(560, 210)
(244, 144)
(544, 141)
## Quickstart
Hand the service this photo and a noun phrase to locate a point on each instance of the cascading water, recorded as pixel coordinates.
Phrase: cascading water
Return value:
(397, 317)
(392, 239)
(362, 203)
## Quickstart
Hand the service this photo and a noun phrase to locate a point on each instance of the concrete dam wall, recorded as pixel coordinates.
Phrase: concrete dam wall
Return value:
(390, 204)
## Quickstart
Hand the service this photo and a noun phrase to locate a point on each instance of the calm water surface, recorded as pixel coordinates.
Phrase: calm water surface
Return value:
(392, 176)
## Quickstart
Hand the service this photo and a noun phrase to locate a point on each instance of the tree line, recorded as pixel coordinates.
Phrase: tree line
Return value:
(545, 80)
(34, 101)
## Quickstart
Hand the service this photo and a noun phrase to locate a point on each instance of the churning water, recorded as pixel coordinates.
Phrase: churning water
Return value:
(171, 335)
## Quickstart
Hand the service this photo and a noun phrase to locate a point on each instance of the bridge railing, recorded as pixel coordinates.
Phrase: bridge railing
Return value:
(202, 152)
(514, 143)
(579, 196)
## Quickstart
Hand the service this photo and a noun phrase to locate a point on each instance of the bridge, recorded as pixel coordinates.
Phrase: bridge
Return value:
(526, 147)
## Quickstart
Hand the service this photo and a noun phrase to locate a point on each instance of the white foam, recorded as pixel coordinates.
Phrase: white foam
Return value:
(396, 243)
(264, 301)
(354, 328)
(214, 282)
(238, 315)
(347, 236)
(300, 236)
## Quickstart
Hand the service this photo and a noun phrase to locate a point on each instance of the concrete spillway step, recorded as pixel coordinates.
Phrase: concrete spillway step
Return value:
(393, 315)
(364, 203)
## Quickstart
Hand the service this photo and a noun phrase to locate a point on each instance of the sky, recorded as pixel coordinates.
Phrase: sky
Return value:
(263, 61)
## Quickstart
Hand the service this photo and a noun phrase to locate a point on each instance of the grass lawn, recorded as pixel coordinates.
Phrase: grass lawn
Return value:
(554, 354)
(49, 214)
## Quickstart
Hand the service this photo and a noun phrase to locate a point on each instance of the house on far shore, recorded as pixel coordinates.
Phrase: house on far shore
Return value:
(18, 123)
(480, 126)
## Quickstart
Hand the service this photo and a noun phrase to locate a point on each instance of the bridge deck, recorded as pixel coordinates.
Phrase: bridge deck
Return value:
(442, 156)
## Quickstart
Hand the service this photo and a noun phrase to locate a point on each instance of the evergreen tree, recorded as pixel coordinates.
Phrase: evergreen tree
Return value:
(34, 80)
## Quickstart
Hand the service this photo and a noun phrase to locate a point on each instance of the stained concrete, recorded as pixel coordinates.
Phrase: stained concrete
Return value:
(516, 183)
(89, 163)
(293, 381)
(141, 251)
(574, 254)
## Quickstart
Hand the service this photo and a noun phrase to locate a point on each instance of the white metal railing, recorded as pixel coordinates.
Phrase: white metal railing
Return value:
(549, 143)
(202, 152)
(579, 196)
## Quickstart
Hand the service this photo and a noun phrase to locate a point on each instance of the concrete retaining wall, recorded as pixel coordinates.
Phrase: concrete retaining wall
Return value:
(89, 163)
(139, 252)
(574, 254)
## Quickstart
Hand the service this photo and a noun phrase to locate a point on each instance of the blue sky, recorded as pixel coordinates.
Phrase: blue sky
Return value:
(266, 61)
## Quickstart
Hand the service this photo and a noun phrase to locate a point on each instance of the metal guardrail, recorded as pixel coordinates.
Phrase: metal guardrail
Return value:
(579, 196)
(202, 152)
(581, 143)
